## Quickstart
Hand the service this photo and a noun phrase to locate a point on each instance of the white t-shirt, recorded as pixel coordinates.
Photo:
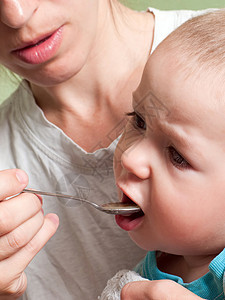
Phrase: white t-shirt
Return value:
(88, 247)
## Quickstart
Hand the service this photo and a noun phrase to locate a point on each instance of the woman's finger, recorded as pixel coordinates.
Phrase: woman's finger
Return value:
(12, 182)
(17, 210)
(12, 277)
(19, 237)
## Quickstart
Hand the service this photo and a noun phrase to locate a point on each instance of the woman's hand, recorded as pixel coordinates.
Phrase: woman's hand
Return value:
(156, 289)
(24, 230)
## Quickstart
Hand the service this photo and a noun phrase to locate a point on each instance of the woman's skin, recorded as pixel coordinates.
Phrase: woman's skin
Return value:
(104, 54)
(85, 83)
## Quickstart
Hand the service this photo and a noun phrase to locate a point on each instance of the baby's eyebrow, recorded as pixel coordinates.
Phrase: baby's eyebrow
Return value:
(150, 105)
(175, 135)
(135, 102)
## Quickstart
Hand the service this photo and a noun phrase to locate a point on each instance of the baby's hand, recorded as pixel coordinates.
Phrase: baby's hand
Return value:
(24, 230)
(157, 289)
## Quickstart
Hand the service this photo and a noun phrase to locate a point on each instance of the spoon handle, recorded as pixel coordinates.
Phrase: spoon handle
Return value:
(32, 191)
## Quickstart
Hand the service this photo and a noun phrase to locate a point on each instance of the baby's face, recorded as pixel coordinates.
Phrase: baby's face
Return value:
(171, 162)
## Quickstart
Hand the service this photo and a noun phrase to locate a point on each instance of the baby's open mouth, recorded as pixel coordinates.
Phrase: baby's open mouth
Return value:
(132, 221)
(126, 199)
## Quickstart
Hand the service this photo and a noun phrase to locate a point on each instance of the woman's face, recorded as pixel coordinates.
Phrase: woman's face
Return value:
(47, 41)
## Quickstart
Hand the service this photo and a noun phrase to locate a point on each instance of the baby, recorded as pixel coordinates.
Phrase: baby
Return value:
(171, 162)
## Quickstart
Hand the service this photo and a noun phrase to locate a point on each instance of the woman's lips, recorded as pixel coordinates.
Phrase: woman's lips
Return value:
(129, 222)
(42, 50)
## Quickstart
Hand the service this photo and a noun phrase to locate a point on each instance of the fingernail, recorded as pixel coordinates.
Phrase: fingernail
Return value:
(54, 218)
(21, 176)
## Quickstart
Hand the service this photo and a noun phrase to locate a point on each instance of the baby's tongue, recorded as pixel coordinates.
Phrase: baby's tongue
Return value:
(129, 222)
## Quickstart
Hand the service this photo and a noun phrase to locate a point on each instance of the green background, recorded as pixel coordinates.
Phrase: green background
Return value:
(9, 83)
(174, 4)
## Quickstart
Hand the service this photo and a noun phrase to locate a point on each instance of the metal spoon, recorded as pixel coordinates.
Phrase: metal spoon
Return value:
(115, 208)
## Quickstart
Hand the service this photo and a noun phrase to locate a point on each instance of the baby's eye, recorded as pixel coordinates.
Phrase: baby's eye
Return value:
(137, 120)
(176, 159)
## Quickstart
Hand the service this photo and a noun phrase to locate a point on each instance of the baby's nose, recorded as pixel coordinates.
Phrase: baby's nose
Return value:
(136, 160)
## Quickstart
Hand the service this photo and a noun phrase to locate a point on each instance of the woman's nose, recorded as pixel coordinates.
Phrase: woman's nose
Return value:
(16, 13)
(137, 160)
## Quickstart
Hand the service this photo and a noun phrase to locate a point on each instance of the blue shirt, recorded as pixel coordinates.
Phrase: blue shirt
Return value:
(209, 286)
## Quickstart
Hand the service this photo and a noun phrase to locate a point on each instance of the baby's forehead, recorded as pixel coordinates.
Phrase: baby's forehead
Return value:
(165, 56)
(171, 60)
(163, 65)
(171, 83)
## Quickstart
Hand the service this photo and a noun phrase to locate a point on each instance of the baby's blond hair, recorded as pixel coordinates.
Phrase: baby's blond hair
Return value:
(199, 43)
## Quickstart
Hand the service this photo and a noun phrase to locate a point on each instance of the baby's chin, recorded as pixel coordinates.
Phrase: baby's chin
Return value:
(142, 243)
